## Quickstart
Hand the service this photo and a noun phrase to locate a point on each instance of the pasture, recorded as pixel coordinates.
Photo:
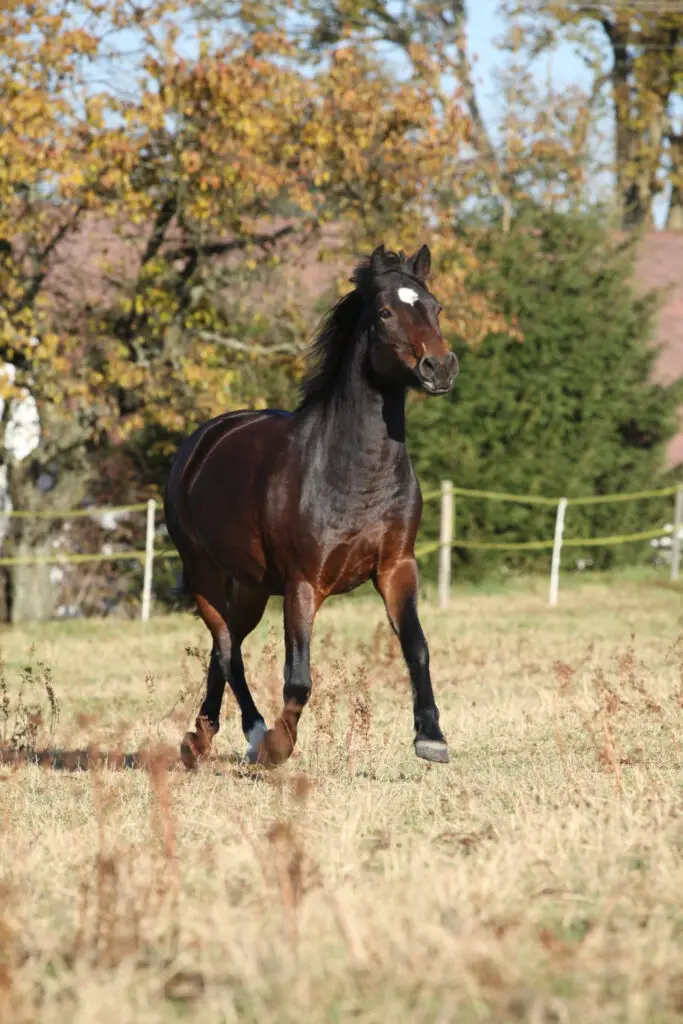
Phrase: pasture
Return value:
(537, 877)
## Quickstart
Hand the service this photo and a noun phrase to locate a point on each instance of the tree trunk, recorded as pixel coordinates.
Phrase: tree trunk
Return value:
(674, 218)
(632, 193)
(33, 595)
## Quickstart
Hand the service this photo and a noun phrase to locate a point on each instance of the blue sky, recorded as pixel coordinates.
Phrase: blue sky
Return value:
(485, 26)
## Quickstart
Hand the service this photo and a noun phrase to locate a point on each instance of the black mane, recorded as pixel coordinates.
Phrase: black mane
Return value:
(338, 331)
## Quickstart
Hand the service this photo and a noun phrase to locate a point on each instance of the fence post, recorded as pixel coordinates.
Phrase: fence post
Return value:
(557, 550)
(445, 542)
(149, 562)
(676, 539)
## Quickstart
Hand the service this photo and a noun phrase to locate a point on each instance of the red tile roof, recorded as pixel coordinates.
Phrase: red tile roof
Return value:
(660, 266)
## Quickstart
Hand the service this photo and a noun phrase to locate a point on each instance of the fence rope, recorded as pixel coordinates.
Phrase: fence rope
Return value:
(58, 559)
(75, 513)
(421, 550)
(544, 545)
(538, 499)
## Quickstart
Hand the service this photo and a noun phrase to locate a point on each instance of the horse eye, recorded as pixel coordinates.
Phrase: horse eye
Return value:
(385, 313)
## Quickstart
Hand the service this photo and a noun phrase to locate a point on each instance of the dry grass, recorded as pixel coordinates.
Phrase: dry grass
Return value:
(538, 877)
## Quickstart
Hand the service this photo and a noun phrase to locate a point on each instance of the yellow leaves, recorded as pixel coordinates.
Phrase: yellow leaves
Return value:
(223, 143)
(191, 161)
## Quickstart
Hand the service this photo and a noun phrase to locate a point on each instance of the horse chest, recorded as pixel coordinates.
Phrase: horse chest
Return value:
(349, 563)
(349, 549)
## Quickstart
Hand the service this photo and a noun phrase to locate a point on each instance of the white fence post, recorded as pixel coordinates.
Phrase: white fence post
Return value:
(149, 562)
(676, 539)
(557, 551)
(445, 542)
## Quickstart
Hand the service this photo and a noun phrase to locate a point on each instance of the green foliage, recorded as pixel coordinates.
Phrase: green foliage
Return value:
(571, 410)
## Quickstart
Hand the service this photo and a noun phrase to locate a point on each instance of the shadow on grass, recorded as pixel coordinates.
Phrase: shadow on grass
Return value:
(90, 758)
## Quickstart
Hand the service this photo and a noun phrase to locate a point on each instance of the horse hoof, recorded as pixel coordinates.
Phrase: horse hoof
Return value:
(189, 754)
(197, 744)
(275, 746)
(254, 740)
(432, 750)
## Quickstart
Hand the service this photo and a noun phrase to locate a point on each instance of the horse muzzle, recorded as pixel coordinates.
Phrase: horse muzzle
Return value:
(437, 375)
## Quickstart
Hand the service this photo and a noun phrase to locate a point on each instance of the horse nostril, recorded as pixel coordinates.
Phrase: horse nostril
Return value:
(451, 364)
(429, 367)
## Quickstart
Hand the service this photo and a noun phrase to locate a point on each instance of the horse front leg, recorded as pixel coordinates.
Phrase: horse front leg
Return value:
(300, 606)
(398, 584)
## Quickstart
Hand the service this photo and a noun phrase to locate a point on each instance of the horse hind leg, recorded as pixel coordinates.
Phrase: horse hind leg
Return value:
(229, 621)
(198, 743)
(209, 590)
(246, 608)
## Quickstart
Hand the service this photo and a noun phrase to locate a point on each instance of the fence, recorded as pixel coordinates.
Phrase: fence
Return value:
(445, 544)
(446, 541)
(146, 556)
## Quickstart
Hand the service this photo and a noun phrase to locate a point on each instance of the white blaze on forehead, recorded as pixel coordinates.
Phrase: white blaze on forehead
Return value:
(408, 295)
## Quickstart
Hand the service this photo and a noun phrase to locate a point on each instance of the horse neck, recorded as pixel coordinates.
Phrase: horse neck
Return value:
(359, 427)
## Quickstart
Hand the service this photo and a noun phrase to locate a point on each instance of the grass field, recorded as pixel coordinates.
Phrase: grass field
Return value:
(538, 877)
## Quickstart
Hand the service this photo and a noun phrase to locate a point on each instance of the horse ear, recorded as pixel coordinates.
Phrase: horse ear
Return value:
(420, 263)
(377, 259)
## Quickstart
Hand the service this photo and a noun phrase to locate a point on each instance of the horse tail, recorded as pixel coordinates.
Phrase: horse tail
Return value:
(181, 592)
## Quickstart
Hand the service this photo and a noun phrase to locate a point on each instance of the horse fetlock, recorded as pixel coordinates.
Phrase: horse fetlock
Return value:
(296, 695)
(254, 737)
(427, 724)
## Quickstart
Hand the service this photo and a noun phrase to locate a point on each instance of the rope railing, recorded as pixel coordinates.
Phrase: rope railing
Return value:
(446, 542)
(447, 539)
(539, 499)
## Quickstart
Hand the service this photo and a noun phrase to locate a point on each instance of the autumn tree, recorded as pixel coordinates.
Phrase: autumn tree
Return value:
(540, 142)
(634, 49)
(209, 176)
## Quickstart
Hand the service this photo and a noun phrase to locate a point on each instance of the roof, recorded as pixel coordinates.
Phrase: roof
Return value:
(660, 266)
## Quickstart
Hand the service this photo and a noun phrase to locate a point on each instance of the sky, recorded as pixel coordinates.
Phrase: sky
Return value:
(485, 26)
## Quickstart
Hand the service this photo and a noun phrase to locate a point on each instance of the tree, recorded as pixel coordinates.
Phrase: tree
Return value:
(634, 49)
(572, 410)
(541, 144)
(209, 175)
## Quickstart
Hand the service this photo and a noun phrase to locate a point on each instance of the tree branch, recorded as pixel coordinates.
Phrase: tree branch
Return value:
(164, 216)
(185, 252)
(36, 281)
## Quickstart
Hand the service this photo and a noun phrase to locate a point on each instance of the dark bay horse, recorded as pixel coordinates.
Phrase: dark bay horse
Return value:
(315, 502)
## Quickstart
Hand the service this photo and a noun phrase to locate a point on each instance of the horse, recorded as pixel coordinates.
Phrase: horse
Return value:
(312, 503)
